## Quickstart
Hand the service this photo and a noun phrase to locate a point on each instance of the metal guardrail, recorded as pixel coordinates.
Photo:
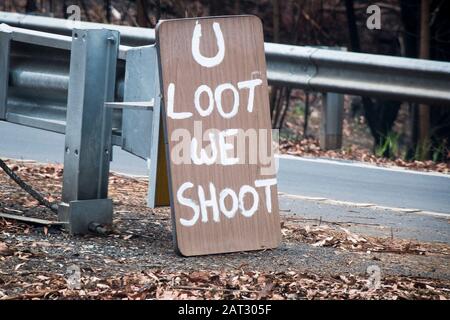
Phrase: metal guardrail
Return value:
(69, 84)
(38, 79)
(403, 79)
(322, 70)
(130, 36)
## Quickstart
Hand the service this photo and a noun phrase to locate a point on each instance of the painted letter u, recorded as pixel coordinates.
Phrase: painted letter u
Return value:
(208, 62)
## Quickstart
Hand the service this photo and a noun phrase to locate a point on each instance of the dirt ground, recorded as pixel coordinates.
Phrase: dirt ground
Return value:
(136, 260)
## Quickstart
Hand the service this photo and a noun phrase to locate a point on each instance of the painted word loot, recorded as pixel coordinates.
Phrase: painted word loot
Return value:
(213, 78)
(214, 100)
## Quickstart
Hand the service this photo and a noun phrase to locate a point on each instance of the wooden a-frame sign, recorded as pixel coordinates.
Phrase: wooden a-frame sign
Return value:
(217, 137)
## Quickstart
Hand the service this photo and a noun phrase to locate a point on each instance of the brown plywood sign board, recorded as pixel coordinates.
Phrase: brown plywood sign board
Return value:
(222, 178)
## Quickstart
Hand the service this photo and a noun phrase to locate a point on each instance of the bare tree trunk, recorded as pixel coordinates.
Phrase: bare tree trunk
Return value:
(278, 106)
(380, 114)
(286, 108)
(64, 10)
(273, 99)
(53, 6)
(158, 11)
(85, 9)
(31, 6)
(424, 110)
(142, 19)
(108, 10)
(215, 7)
(410, 11)
(277, 92)
(237, 6)
(276, 21)
(352, 28)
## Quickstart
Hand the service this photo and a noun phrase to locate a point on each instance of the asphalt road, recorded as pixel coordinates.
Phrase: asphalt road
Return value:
(337, 180)
(354, 182)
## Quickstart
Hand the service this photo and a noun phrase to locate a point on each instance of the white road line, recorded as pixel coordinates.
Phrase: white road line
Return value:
(365, 205)
(361, 165)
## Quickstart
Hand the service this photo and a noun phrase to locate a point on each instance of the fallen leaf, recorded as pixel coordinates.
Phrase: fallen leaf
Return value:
(321, 243)
(199, 276)
(266, 290)
(18, 266)
(4, 250)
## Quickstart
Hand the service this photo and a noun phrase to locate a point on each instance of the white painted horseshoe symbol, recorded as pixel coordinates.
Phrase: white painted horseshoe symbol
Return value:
(208, 62)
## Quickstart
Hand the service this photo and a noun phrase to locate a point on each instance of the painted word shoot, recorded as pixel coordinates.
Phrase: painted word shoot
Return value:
(222, 177)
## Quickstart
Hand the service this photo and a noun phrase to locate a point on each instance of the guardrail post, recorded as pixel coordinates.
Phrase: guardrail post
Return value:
(88, 130)
(5, 45)
(331, 121)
